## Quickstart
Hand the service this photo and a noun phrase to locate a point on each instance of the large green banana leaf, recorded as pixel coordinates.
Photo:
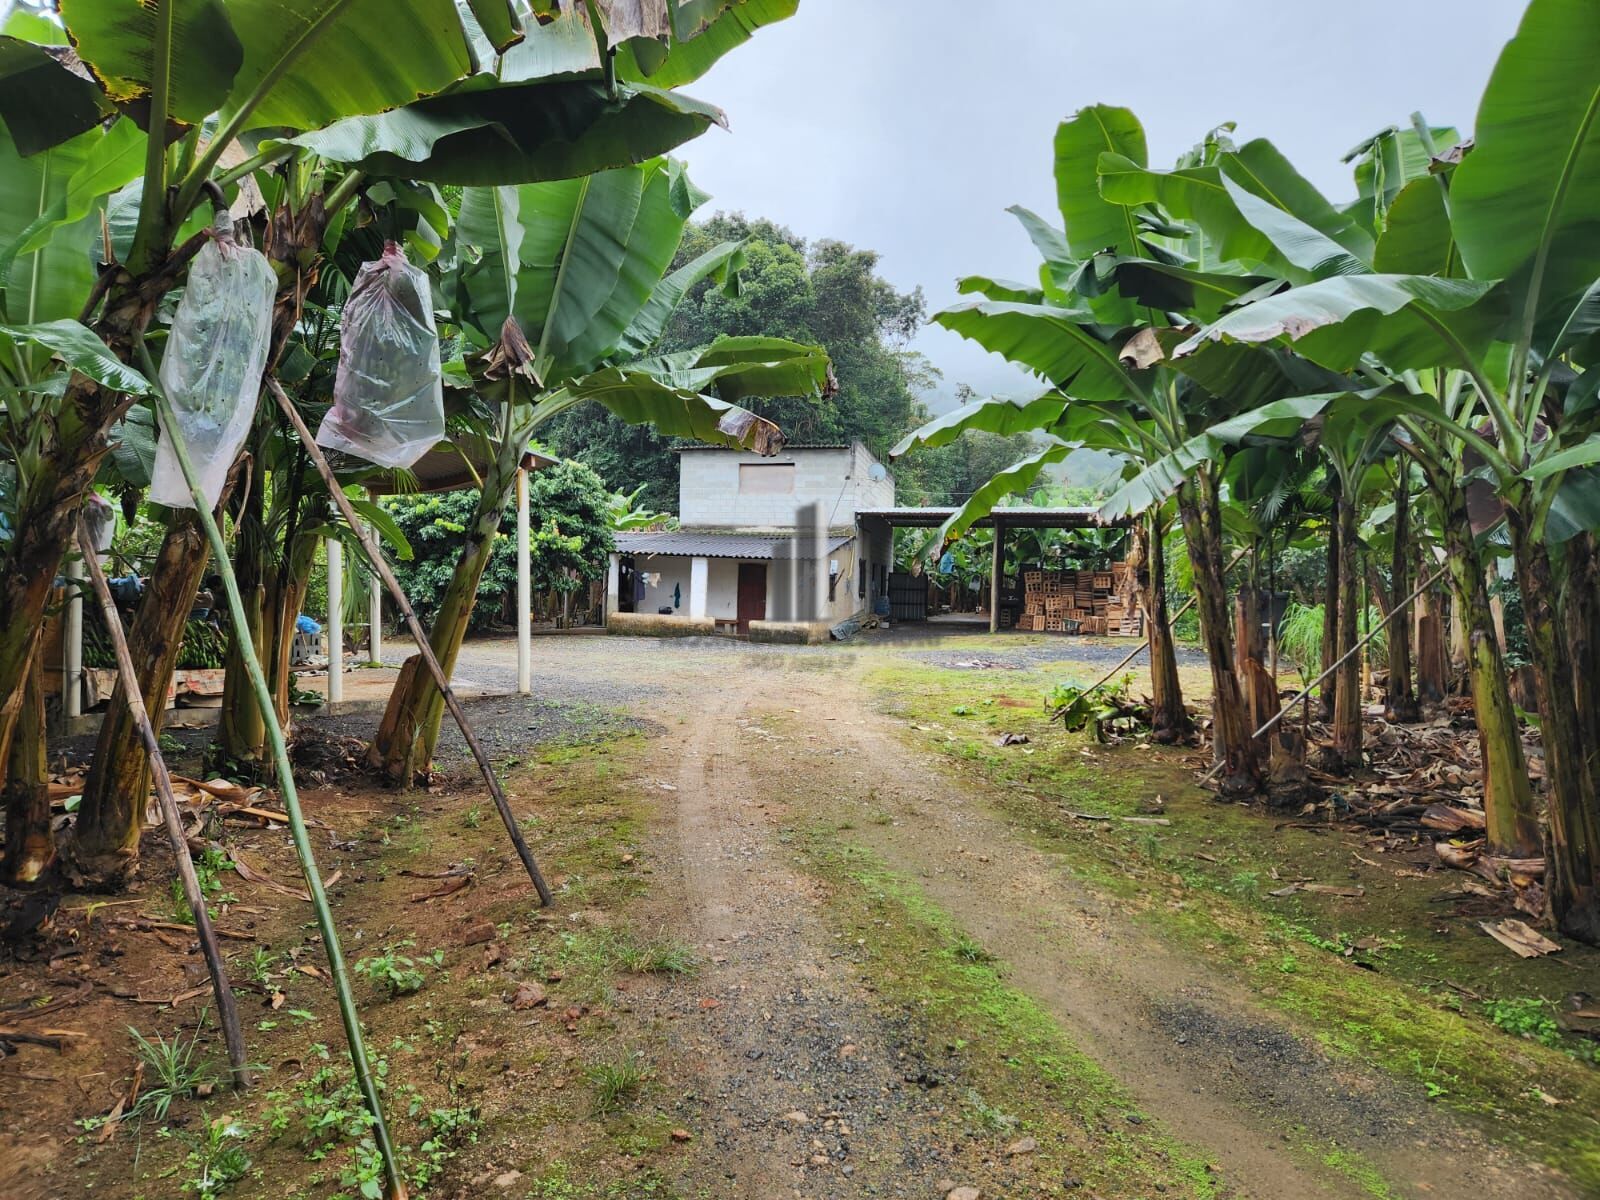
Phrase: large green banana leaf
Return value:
(46, 97)
(1094, 223)
(674, 393)
(1300, 243)
(1199, 194)
(722, 263)
(295, 64)
(75, 347)
(1417, 239)
(114, 157)
(662, 42)
(53, 279)
(489, 133)
(1004, 415)
(741, 368)
(1171, 288)
(1408, 321)
(186, 50)
(317, 61)
(1060, 345)
(1535, 169)
(1388, 162)
(575, 261)
(702, 32)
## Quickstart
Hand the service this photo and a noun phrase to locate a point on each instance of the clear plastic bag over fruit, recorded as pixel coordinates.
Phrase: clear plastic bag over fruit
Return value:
(388, 400)
(211, 368)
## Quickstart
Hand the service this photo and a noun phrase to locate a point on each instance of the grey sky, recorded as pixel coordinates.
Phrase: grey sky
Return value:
(909, 126)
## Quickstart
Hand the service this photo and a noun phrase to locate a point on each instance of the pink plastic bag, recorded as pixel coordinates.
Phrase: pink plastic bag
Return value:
(388, 400)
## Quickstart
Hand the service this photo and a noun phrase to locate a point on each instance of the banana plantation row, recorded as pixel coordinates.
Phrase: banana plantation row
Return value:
(1419, 359)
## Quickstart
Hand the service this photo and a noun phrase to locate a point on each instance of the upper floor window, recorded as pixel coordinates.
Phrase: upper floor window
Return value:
(766, 479)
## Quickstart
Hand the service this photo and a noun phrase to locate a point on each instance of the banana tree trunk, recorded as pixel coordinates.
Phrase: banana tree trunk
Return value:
(1400, 704)
(1169, 719)
(1580, 610)
(241, 741)
(1202, 525)
(409, 731)
(1512, 827)
(30, 848)
(104, 850)
(1572, 859)
(46, 520)
(1328, 693)
(286, 591)
(1346, 754)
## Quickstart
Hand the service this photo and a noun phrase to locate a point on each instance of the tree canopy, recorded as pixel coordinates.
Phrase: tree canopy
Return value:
(825, 293)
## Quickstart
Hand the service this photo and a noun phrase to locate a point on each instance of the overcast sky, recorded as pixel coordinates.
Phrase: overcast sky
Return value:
(909, 126)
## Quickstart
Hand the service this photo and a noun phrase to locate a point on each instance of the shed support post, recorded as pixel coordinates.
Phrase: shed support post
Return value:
(613, 584)
(375, 609)
(699, 580)
(72, 642)
(524, 590)
(335, 621)
(375, 600)
(996, 567)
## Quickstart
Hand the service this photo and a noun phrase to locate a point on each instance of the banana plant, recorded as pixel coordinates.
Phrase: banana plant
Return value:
(1119, 283)
(561, 289)
(227, 89)
(1500, 331)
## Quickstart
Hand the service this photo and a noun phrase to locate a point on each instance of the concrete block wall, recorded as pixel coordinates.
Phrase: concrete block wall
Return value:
(837, 480)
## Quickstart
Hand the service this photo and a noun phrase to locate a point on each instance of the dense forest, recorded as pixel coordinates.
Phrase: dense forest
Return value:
(824, 293)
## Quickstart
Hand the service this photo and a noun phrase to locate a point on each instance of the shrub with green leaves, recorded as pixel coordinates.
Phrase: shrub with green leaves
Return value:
(569, 514)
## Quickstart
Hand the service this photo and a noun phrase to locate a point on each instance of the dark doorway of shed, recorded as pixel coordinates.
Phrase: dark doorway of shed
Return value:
(752, 595)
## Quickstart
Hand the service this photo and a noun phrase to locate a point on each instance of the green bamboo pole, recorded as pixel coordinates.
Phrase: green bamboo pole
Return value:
(291, 799)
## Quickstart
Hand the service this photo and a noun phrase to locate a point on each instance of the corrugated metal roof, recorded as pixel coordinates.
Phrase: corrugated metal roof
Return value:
(1023, 516)
(689, 543)
(787, 446)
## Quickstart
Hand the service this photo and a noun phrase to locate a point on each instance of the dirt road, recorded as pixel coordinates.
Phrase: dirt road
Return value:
(810, 1087)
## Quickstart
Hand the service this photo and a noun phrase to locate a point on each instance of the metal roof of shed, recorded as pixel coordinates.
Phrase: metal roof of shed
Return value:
(1023, 516)
(689, 543)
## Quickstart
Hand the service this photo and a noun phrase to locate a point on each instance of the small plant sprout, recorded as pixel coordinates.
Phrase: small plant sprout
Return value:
(617, 1083)
(174, 1068)
(216, 1158)
(396, 973)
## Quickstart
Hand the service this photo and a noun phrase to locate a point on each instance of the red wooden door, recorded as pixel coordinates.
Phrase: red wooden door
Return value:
(752, 594)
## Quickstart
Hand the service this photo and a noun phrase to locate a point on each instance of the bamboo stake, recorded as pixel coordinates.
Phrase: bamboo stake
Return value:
(227, 1010)
(291, 798)
(424, 646)
(1343, 658)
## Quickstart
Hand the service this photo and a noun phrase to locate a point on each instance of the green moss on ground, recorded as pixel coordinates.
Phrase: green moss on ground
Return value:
(1392, 978)
(1018, 1073)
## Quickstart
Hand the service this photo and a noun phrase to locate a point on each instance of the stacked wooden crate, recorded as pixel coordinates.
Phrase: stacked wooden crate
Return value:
(1079, 602)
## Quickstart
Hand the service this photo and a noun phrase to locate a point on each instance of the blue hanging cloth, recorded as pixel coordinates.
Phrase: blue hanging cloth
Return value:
(677, 595)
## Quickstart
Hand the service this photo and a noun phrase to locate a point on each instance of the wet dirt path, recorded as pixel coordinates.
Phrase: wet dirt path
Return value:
(1223, 1074)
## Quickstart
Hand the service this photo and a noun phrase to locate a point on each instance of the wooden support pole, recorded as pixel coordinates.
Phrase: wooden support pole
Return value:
(419, 635)
(524, 589)
(227, 1010)
(997, 565)
(335, 621)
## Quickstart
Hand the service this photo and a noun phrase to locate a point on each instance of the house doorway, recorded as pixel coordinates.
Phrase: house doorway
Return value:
(752, 595)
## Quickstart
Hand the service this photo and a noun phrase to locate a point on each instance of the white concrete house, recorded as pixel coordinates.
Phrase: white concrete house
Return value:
(763, 539)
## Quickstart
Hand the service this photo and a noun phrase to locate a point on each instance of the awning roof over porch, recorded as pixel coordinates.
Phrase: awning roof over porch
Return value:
(1023, 516)
(688, 543)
